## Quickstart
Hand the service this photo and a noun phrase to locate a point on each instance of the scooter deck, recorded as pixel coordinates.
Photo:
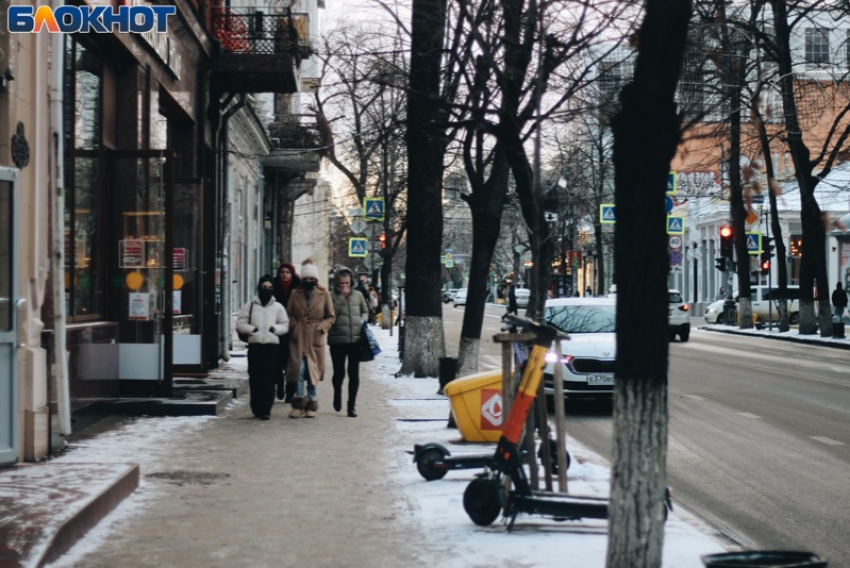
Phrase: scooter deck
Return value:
(561, 505)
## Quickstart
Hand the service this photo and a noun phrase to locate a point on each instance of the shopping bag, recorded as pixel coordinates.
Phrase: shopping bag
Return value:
(368, 344)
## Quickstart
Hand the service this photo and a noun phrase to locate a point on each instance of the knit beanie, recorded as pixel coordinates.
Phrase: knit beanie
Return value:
(309, 269)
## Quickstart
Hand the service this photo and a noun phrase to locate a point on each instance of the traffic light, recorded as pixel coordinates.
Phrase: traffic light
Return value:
(766, 252)
(720, 263)
(383, 238)
(726, 241)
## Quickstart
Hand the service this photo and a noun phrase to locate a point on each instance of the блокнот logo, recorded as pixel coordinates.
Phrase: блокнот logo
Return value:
(98, 19)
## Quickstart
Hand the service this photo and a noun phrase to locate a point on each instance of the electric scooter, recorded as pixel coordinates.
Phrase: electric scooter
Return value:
(433, 461)
(485, 496)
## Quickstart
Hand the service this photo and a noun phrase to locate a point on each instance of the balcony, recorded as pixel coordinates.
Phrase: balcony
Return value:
(292, 142)
(260, 52)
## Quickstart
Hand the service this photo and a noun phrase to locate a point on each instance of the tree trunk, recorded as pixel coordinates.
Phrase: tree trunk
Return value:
(646, 133)
(813, 261)
(486, 204)
(426, 143)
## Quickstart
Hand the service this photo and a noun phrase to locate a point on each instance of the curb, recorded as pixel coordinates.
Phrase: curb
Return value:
(90, 515)
(789, 338)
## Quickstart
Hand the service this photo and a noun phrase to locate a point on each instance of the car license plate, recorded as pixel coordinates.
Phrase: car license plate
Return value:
(600, 379)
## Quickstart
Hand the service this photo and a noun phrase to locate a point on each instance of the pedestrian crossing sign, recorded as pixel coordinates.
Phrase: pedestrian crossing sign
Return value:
(373, 209)
(675, 225)
(753, 243)
(606, 214)
(672, 183)
(357, 247)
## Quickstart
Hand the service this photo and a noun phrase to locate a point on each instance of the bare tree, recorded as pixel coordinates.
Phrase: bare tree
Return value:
(426, 143)
(646, 134)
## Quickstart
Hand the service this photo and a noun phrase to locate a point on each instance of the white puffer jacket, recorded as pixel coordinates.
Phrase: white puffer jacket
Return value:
(263, 318)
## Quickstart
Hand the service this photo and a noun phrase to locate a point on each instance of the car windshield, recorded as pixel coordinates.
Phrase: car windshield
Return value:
(674, 298)
(586, 318)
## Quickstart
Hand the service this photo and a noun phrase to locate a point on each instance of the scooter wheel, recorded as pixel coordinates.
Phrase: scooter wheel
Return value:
(425, 464)
(482, 500)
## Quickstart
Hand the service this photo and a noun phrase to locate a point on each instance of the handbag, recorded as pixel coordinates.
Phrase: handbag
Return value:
(244, 336)
(368, 344)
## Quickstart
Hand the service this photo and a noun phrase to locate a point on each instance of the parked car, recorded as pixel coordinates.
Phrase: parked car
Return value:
(678, 312)
(761, 303)
(679, 316)
(460, 297)
(588, 356)
(522, 296)
(449, 295)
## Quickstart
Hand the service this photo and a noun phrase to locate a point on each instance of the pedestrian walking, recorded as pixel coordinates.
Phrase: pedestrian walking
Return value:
(512, 307)
(351, 311)
(312, 315)
(839, 300)
(287, 280)
(264, 321)
(362, 288)
(374, 301)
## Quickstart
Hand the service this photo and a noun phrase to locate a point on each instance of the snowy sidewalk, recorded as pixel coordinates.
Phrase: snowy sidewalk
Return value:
(330, 491)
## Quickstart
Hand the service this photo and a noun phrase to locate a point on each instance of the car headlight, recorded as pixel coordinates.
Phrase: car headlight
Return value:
(711, 310)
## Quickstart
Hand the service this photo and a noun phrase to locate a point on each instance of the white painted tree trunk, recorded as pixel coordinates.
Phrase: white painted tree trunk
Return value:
(639, 474)
(468, 356)
(424, 344)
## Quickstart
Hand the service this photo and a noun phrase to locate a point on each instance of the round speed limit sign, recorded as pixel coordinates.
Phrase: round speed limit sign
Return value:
(675, 241)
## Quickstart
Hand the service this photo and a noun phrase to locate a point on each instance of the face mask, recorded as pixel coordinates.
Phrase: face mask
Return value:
(265, 296)
(309, 285)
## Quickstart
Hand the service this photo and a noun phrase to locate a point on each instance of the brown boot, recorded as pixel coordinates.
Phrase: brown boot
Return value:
(297, 408)
(312, 407)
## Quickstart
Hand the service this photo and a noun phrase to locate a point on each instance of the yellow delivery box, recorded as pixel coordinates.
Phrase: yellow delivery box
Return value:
(477, 405)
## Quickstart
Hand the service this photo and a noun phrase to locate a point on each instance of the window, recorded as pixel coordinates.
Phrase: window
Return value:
(817, 45)
(83, 110)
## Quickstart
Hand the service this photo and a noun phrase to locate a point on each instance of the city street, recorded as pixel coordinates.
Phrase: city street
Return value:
(759, 434)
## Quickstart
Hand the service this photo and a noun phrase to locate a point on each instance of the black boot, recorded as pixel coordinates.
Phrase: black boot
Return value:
(291, 389)
(337, 398)
(351, 413)
(280, 389)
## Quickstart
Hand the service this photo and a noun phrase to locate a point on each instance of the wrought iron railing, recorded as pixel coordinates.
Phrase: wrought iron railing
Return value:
(249, 31)
(290, 135)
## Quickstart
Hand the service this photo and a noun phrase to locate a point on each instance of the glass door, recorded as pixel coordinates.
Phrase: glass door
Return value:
(8, 319)
(141, 298)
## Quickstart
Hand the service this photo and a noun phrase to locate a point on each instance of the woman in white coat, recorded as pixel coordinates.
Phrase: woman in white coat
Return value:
(263, 320)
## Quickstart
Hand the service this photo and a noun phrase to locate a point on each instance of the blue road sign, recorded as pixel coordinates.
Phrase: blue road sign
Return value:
(675, 225)
(672, 181)
(357, 247)
(606, 214)
(753, 243)
(373, 209)
(675, 257)
(669, 204)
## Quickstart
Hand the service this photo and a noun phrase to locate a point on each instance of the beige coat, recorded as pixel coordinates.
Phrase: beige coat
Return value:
(308, 327)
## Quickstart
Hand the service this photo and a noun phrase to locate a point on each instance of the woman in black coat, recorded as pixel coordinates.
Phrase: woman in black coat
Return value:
(287, 280)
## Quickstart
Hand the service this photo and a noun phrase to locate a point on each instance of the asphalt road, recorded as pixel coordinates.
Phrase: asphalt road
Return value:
(759, 441)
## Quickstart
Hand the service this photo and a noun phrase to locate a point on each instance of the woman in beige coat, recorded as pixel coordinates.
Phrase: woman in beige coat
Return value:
(311, 315)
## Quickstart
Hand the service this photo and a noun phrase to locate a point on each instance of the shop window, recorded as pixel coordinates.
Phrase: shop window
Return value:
(83, 195)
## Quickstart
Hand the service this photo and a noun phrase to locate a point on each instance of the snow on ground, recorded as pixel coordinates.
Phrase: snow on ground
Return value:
(436, 507)
(535, 541)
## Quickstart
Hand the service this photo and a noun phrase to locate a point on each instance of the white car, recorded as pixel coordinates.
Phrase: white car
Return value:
(679, 316)
(678, 312)
(460, 297)
(589, 354)
(522, 296)
(762, 305)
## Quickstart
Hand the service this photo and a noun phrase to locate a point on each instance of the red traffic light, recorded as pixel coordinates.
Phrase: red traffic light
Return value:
(383, 238)
(725, 231)
(765, 266)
